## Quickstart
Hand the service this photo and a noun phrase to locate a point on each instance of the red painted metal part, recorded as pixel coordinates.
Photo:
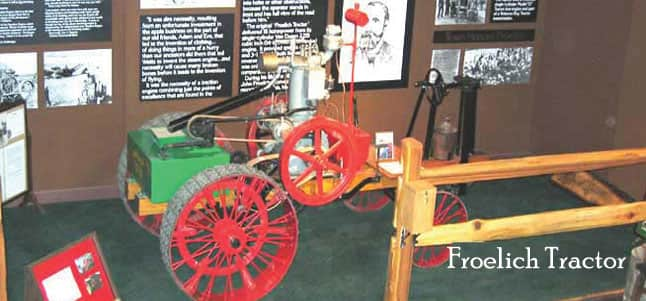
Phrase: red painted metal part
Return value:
(236, 252)
(358, 18)
(448, 209)
(367, 201)
(336, 161)
(252, 127)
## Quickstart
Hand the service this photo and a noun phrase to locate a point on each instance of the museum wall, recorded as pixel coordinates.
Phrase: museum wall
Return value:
(581, 74)
(631, 107)
(588, 97)
(73, 148)
(573, 89)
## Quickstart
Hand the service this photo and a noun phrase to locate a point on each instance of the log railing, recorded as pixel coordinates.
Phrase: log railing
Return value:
(416, 194)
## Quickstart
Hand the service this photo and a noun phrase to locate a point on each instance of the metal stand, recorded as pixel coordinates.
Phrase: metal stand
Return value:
(467, 119)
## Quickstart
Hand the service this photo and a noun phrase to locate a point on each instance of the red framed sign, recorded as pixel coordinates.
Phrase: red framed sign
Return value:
(77, 272)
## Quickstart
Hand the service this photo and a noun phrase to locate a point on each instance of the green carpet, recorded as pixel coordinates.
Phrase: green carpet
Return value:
(342, 255)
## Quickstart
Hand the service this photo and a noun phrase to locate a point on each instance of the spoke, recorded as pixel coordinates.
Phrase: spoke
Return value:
(454, 214)
(211, 200)
(305, 157)
(209, 288)
(247, 279)
(333, 149)
(228, 287)
(304, 175)
(286, 218)
(197, 226)
(191, 285)
(317, 142)
(252, 189)
(332, 166)
(268, 258)
(319, 181)
(249, 219)
(441, 215)
(199, 215)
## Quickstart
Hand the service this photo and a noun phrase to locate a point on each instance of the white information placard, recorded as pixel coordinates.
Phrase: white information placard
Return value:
(13, 151)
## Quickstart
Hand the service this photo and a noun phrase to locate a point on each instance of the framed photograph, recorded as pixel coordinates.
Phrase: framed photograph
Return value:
(447, 61)
(18, 71)
(382, 57)
(76, 272)
(451, 12)
(499, 66)
(78, 77)
(385, 144)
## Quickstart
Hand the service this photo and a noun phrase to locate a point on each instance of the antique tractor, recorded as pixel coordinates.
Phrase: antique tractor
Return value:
(229, 230)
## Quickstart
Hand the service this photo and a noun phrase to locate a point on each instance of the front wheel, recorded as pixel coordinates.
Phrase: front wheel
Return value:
(230, 233)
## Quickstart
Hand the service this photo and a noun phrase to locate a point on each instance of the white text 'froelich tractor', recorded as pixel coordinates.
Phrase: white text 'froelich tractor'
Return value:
(229, 229)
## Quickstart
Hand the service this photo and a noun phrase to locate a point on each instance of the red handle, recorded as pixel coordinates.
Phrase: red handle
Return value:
(356, 17)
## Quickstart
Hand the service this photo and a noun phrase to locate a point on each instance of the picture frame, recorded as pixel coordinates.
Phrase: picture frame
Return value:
(76, 272)
(383, 53)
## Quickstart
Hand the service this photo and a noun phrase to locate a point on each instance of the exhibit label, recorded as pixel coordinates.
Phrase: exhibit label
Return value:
(50, 21)
(551, 259)
(513, 11)
(186, 56)
(483, 36)
(267, 25)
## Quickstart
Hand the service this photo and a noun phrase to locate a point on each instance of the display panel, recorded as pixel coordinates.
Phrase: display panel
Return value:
(51, 21)
(76, 272)
(513, 11)
(18, 78)
(78, 77)
(13, 150)
(450, 12)
(383, 44)
(497, 66)
(185, 56)
(265, 24)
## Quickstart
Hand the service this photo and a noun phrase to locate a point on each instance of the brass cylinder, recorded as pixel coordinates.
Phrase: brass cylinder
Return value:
(268, 62)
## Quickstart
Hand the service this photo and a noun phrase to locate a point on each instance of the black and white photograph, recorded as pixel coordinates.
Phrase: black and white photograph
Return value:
(451, 12)
(93, 283)
(78, 77)
(497, 66)
(18, 78)
(155, 4)
(447, 61)
(84, 263)
(382, 44)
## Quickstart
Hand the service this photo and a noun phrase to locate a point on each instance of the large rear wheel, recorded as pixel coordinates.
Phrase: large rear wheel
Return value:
(448, 209)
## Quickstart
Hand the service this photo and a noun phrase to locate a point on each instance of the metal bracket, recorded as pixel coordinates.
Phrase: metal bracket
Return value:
(403, 234)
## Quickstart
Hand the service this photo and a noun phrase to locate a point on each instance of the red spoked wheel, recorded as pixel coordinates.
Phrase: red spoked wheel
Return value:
(316, 161)
(367, 201)
(230, 233)
(448, 209)
(254, 131)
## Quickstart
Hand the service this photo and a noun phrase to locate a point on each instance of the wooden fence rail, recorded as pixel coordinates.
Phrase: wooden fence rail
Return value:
(416, 193)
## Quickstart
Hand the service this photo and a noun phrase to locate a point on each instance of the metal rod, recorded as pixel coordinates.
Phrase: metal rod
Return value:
(221, 107)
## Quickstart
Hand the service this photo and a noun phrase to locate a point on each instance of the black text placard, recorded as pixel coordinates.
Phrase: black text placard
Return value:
(186, 56)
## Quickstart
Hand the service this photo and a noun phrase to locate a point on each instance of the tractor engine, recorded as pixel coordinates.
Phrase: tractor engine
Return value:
(308, 84)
